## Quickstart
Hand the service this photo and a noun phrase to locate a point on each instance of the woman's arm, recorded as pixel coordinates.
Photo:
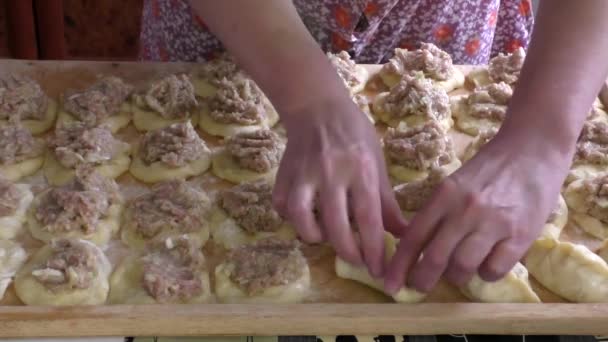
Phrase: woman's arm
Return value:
(332, 150)
(485, 216)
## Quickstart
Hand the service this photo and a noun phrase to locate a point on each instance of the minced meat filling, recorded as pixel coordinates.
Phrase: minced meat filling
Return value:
(76, 144)
(346, 68)
(17, 144)
(250, 205)
(172, 270)
(490, 102)
(267, 263)
(592, 145)
(79, 205)
(412, 196)
(416, 95)
(483, 138)
(431, 60)
(105, 98)
(172, 205)
(258, 151)
(172, 97)
(22, 98)
(238, 101)
(219, 68)
(175, 145)
(596, 191)
(9, 197)
(71, 266)
(419, 148)
(506, 68)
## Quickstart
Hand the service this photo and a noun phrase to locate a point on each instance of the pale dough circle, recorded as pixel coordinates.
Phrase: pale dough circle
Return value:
(575, 198)
(145, 120)
(106, 228)
(114, 123)
(409, 121)
(207, 124)
(229, 292)
(204, 88)
(405, 174)
(10, 226)
(126, 285)
(455, 81)
(12, 257)
(25, 168)
(32, 292)
(227, 233)
(468, 124)
(57, 174)
(158, 171)
(39, 126)
(225, 167)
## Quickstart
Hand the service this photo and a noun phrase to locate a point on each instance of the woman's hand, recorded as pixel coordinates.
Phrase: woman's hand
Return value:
(484, 217)
(333, 160)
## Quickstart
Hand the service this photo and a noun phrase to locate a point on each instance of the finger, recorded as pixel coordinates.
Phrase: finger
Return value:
(392, 217)
(280, 192)
(334, 211)
(501, 260)
(366, 205)
(300, 212)
(468, 256)
(436, 256)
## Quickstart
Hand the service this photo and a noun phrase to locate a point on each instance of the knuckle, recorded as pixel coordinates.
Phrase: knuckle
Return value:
(434, 259)
(297, 209)
(464, 265)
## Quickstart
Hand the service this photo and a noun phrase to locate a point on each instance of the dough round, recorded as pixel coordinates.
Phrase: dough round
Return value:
(584, 171)
(229, 292)
(363, 75)
(12, 257)
(225, 167)
(207, 124)
(409, 121)
(145, 120)
(28, 167)
(114, 123)
(126, 285)
(32, 292)
(404, 174)
(104, 231)
(575, 198)
(10, 226)
(469, 124)
(57, 174)
(158, 171)
(227, 232)
(39, 126)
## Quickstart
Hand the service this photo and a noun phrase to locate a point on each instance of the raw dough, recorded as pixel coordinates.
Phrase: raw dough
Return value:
(39, 126)
(28, 167)
(553, 227)
(360, 274)
(474, 146)
(32, 292)
(12, 257)
(569, 270)
(10, 226)
(603, 251)
(207, 124)
(492, 97)
(145, 120)
(513, 288)
(225, 167)
(576, 197)
(114, 123)
(354, 76)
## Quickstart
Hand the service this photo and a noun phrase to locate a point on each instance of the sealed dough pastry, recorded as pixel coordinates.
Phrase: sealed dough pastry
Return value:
(249, 156)
(435, 63)
(414, 101)
(12, 257)
(557, 221)
(64, 273)
(205, 79)
(591, 156)
(502, 68)
(412, 152)
(513, 288)
(170, 271)
(170, 208)
(21, 155)
(474, 146)
(360, 274)
(22, 100)
(103, 103)
(484, 109)
(268, 271)
(354, 76)
(89, 208)
(239, 105)
(569, 270)
(245, 215)
(165, 102)
(588, 201)
(15, 200)
(172, 152)
(75, 145)
(603, 251)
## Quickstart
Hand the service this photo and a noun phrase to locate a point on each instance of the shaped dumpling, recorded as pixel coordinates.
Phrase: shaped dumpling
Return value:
(360, 274)
(513, 288)
(557, 220)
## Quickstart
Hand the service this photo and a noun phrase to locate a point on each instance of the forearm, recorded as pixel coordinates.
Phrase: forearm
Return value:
(567, 63)
(271, 43)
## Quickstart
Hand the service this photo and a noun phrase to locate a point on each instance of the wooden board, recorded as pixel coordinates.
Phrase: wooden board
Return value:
(335, 306)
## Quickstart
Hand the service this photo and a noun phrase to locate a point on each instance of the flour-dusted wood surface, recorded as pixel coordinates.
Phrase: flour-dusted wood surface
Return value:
(334, 306)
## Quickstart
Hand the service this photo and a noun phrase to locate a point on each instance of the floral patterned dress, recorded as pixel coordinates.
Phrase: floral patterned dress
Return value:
(472, 31)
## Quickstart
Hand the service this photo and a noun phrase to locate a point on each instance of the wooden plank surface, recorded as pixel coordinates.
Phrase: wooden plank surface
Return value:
(336, 306)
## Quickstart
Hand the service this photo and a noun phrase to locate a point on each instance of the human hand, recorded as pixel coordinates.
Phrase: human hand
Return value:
(333, 155)
(484, 217)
